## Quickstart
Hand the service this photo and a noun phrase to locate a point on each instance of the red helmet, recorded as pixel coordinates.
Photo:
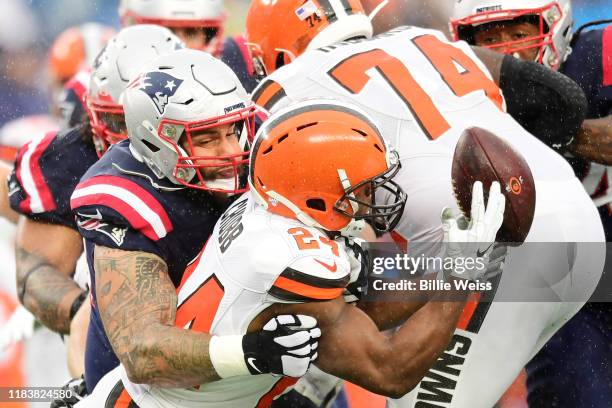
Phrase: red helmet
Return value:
(206, 15)
(123, 57)
(553, 19)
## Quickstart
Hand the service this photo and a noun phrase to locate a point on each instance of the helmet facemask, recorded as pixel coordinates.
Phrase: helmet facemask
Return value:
(545, 18)
(107, 124)
(359, 201)
(214, 173)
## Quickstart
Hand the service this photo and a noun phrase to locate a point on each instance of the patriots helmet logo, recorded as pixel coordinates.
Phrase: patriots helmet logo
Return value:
(159, 86)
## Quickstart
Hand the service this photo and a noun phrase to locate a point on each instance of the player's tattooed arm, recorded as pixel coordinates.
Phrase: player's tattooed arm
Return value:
(45, 257)
(5, 207)
(352, 347)
(594, 141)
(137, 302)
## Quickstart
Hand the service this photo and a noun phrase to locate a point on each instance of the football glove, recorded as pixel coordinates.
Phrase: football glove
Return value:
(286, 345)
(473, 238)
(20, 326)
(75, 392)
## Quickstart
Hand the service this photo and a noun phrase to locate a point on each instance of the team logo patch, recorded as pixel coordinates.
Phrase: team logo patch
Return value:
(306, 10)
(159, 86)
(515, 185)
(93, 222)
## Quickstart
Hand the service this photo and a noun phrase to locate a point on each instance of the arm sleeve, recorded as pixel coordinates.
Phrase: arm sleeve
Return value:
(119, 213)
(105, 227)
(40, 184)
(546, 103)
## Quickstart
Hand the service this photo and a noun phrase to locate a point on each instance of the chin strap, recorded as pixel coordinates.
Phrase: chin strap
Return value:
(299, 214)
(354, 227)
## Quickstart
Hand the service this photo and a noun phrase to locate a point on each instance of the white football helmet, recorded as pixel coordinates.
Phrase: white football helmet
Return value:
(183, 94)
(553, 17)
(122, 58)
(208, 15)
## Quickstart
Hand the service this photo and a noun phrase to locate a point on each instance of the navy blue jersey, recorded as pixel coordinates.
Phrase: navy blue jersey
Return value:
(236, 55)
(590, 65)
(120, 203)
(46, 172)
(71, 102)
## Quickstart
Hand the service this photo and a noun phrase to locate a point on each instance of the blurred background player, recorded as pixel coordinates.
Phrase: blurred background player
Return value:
(200, 24)
(71, 58)
(73, 50)
(47, 169)
(542, 31)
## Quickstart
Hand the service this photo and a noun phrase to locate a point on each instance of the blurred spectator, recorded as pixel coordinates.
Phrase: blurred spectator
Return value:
(19, 62)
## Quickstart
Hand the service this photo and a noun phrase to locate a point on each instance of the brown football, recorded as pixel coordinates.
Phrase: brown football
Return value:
(482, 156)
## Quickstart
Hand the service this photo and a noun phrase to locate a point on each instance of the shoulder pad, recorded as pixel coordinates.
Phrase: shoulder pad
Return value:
(140, 209)
(46, 171)
(268, 93)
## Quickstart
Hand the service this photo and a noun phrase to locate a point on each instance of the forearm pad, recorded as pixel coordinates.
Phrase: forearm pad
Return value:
(546, 103)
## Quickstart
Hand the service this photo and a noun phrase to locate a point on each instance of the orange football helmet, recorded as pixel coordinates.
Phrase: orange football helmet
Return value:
(76, 48)
(279, 31)
(321, 162)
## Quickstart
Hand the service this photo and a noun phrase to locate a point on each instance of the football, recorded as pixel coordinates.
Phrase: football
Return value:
(482, 156)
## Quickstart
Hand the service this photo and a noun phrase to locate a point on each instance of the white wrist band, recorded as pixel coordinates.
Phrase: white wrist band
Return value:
(226, 356)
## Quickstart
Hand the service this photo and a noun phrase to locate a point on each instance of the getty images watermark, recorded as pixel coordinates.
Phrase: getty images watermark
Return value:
(527, 272)
(404, 264)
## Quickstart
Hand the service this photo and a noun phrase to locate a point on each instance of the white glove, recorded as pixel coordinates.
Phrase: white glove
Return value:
(20, 326)
(473, 239)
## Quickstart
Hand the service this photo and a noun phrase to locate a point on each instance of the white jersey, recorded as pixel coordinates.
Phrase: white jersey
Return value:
(252, 260)
(423, 92)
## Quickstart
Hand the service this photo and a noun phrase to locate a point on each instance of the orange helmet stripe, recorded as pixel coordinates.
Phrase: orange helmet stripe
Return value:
(268, 94)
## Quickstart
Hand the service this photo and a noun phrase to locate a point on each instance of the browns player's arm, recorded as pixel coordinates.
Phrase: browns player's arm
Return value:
(546, 103)
(386, 315)
(353, 348)
(5, 207)
(137, 302)
(46, 257)
(594, 141)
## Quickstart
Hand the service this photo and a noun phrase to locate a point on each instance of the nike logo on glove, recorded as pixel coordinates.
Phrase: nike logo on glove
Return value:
(332, 268)
(480, 254)
(252, 364)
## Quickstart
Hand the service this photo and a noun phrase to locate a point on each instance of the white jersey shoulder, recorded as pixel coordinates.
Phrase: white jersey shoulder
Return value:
(421, 90)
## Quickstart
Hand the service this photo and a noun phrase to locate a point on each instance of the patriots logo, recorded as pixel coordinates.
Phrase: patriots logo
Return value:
(159, 86)
(93, 222)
